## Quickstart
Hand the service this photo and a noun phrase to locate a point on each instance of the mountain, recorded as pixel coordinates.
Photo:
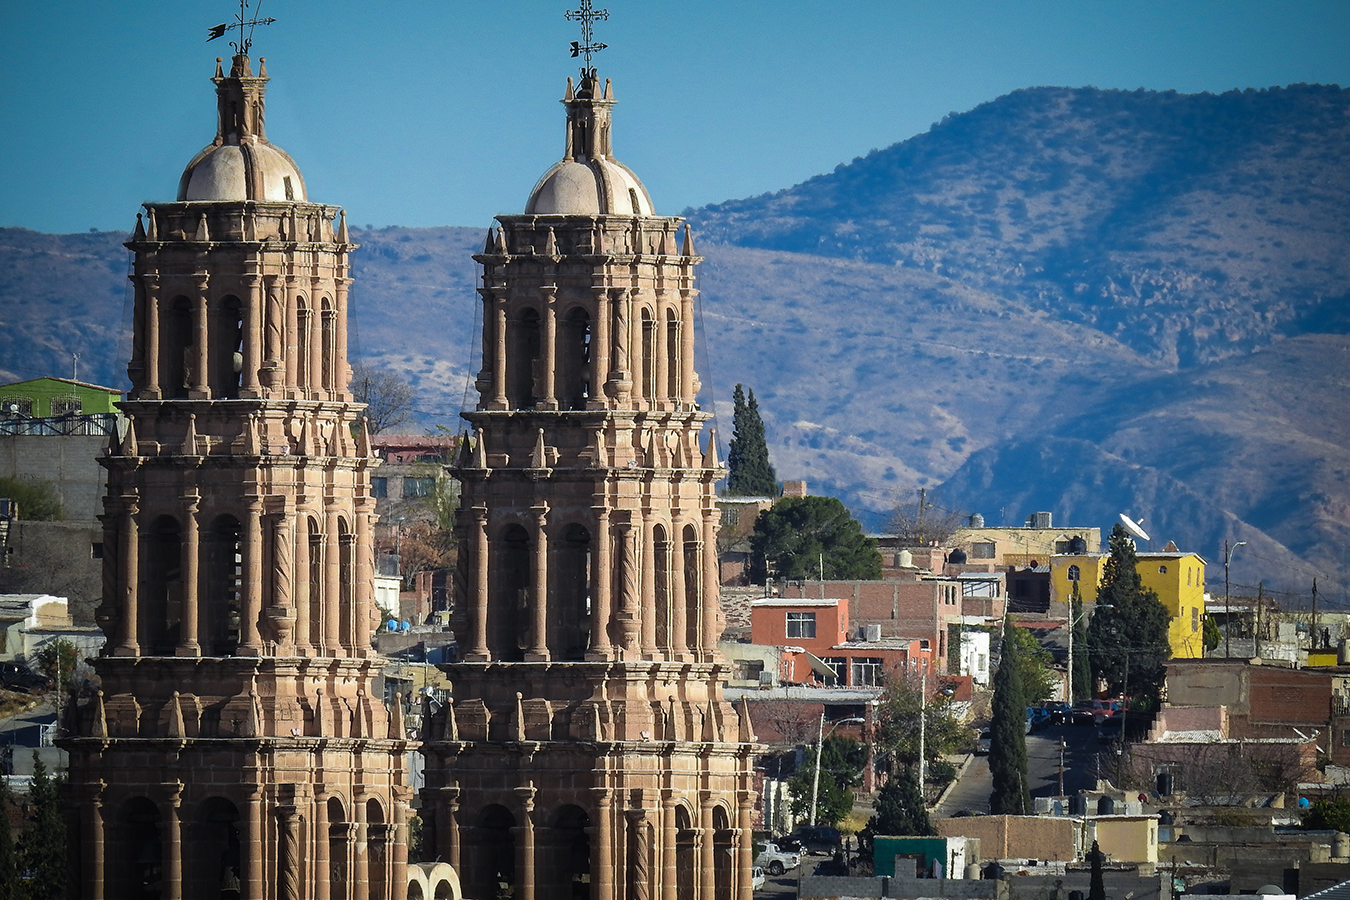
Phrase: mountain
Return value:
(1067, 299)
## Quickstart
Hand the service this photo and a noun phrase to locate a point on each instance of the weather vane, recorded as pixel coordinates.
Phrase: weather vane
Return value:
(587, 17)
(241, 47)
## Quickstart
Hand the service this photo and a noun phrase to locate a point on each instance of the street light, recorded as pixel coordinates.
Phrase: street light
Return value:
(820, 741)
(1227, 601)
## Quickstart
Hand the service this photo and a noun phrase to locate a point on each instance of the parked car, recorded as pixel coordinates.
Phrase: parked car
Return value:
(817, 839)
(1040, 717)
(1110, 729)
(835, 865)
(1105, 709)
(1059, 713)
(756, 879)
(982, 742)
(777, 860)
(18, 677)
(1083, 713)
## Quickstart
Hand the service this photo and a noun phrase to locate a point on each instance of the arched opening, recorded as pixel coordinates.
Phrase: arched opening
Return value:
(686, 855)
(415, 890)
(566, 857)
(491, 871)
(304, 342)
(661, 565)
(339, 846)
(509, 614)
(328, 349)
(724, 855)
(224, 579)
(647, 376)
(444, 890)
(377, 849)
(226, 356)
(574, 360)
(176, 356)
(672, 356)
(693, 586)
(215, 864)
(571, 604)
(346, 582)
(315, 585)
(160, 617)
(135, 851)
(522, 360)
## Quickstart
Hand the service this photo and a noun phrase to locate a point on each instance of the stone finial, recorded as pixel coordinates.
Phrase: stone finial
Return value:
(571, 93)
(491, 241)
(551, 244)
(262, 67)
(175, 723)
(203, 232)
(518, 723)
(397, 730)
(98, 726)
(538, 456)
(710, 460)
(479, 450)
(152, 228)
(451, 726)
(609, 90)
(688, 239)
(129, 445)
(342, 236)
(746, 735)
(501, 242)
(464, 456)
(597, 722)
(363, 445)
(710, 728)
(139, 233)
(190, 436)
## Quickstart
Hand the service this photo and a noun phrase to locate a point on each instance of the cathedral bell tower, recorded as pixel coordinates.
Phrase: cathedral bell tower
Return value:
(589, 750)
(239, 742)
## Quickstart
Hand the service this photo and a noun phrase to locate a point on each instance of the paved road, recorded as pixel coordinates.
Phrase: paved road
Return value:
(1080, 760)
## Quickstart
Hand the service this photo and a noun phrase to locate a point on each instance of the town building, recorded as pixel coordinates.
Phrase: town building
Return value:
(49, 398)
(589, 749)
(238, 745)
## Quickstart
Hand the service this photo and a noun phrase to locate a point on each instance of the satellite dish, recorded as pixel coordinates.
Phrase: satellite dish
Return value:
(1134, 528)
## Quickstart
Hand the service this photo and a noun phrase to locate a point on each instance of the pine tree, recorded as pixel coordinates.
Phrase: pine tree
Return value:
(42, 850)
(1097, 885)
(750, 472)
(1082, 663)
(803, 538)
(1008, 740)
(1128, 634)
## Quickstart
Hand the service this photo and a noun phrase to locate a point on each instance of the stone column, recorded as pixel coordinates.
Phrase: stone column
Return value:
(252, 349)
(525, 844)
(629, 622)
(639, 867)
(93, 835)
(499, 400)
(323, 868)
(332, 583)
(687, 346)
(300, 534)
(281, 611)
(602, 577)
(150, 341)
(313, 386)
(130, 588)
(291, 357)
(538, 651)
(602, 872)
(340, 382)
(173, 842)
(198, 381)
(447, 826)
(745, 848)
(620, 375)
(189, 643)
(288, 853)
(484, 382)
(647, 604)
(708, 606)
(359, 847)
(707, 852)
(363, 593)
(669, 873)
(679, 643)
(550, 348)
(250, 600)
(252, 863)
(600, 343)
(660, 397)
(479, 652)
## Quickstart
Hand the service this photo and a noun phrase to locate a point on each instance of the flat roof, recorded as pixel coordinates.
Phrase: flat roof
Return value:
(793, 601)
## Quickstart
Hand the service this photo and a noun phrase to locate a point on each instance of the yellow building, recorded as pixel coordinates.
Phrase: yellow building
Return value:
(1179, 581)
(1177, 578)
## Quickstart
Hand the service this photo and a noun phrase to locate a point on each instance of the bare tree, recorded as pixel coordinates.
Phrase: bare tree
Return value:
(388, 396)
(922, 523)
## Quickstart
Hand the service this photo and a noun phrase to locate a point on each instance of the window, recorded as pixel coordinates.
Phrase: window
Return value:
(1075, 574)
(379, 486)
(418, 487)
(13, 407)
(1195, 618)
(982, 550)
(66, 406)
(801, 624)
(838, 665)
(866, 671)
(1162, 570)
(1345, 738)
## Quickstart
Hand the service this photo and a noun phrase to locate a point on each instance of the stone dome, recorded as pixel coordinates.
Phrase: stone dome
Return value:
(255, 171)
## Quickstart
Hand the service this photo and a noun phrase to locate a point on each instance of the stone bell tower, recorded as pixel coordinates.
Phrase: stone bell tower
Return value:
(239, 747)
(589, 751)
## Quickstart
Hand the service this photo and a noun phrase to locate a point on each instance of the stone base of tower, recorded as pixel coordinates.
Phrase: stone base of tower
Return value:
(187, 782)
(631, 782)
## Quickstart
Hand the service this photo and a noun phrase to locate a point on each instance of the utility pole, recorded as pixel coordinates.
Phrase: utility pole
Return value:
(1227, 598)
(923, 493)
(1314, 616)
(1260, 601)
(923, 728)
(815, 782)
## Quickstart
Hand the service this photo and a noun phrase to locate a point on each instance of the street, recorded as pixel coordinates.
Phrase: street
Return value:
(971, 794)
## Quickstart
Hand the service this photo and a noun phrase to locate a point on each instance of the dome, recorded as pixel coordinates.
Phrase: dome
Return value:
(597, 187)
(588, 180)
(255, 171)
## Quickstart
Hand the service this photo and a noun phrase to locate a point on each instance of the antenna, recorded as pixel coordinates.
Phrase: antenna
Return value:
(1134, 528)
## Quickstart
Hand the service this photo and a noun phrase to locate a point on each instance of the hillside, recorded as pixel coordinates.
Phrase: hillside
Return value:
(1065, 299)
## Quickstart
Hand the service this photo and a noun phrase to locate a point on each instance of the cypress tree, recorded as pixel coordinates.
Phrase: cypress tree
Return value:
(1008, 740)
(1082, 662)
(1097, 884)
(1128, 633)
(9, 868)
(42, 850)
(750, 472)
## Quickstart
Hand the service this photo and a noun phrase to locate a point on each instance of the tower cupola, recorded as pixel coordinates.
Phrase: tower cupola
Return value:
(588, 180)
(240, 164)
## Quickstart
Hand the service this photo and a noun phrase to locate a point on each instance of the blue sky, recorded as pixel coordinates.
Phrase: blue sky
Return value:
(445, 113)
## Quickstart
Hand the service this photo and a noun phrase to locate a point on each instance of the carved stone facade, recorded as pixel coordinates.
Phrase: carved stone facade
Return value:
(238, 742)
(589, 750)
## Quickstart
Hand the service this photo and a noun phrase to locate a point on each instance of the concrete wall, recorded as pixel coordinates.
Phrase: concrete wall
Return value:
(57, 558)
(67, 461)
(1018, 837)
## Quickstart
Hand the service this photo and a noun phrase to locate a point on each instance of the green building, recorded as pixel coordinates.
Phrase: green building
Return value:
(41, 398)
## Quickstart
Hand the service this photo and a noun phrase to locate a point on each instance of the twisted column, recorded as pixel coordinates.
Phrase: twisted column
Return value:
(639, 874)
(288, 853)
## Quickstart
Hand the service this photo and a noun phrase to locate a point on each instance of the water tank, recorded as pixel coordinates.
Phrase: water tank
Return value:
(992, 872)
(1077, 545)
(1106, 806)
(957, 557)
(1340, 845)
(904, 559)
(1041, 520)
(872, 633)
(976, 520)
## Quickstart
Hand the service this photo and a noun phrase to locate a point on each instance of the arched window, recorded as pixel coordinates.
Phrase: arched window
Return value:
(314, 576)
(570, 608)
(509, 615)
(565, 857)
(160, 617)
(647, 373)
(686, 855)
(346, 582)
(339, 850)
(328, 350)
(304, 343)
(1074, 573)
(224, 577)
(672, 356)
(214, 860)
(522, 360)
(1162, 570)
(377, 844)
(661, 565)
(574, 360)
(135, 850)
(176, 356)
(693, 587)
(491, 856)
(226, 353)
(724, 855)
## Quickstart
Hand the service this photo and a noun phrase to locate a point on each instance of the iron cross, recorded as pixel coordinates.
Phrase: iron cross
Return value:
(241, 47)
(587, 17)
